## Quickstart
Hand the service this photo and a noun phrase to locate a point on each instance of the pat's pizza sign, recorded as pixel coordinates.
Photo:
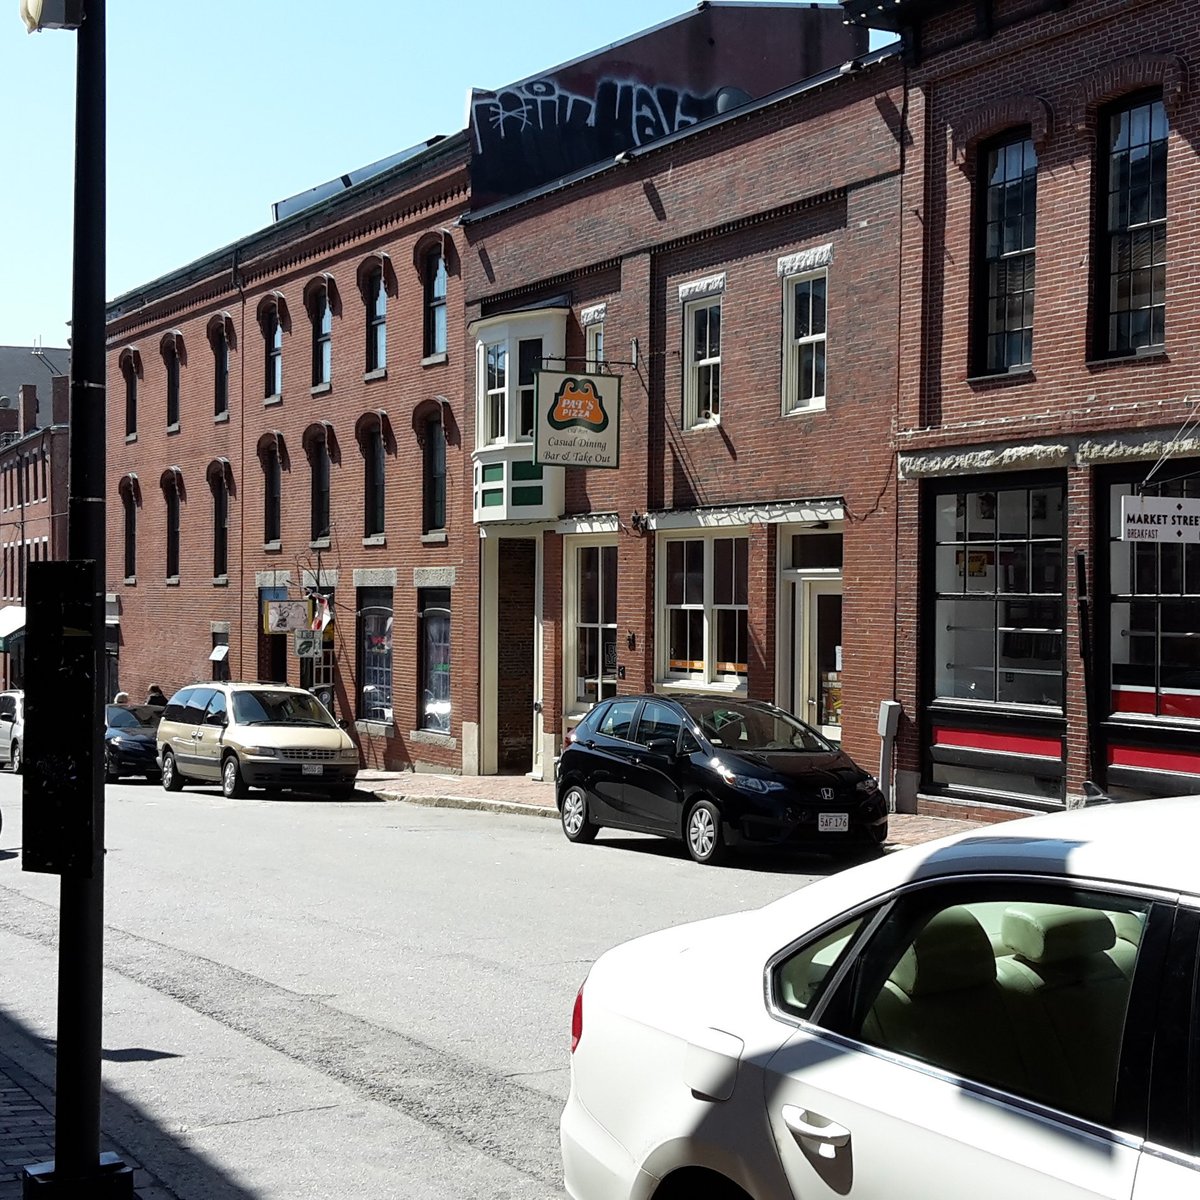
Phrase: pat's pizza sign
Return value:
(578, 420)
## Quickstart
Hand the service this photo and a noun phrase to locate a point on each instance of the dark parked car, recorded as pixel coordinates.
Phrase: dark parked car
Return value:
(716, 772)
(129, 741)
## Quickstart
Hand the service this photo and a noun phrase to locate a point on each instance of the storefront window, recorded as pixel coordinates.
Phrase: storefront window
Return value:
(435, 659)
(998, 575)
(375, 654)
(1154, 615)
(707, 581)
(596, 627)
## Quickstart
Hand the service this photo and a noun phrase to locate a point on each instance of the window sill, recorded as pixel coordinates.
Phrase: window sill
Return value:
(435, 360)
(269, 401)
(319, 544)
(375, 539)
(172, 581)
(1153, 354)
(805, 410)
(375, 728)
(430, 737)
(688, 685)
(999, 378)
(372, 376)
(272, 547)
(221, 418)
(220, 581)
(130, 438)
(995, 708)
(437, 538)
(131, 581)
(700, 426)
(320, 389)
(173, 428)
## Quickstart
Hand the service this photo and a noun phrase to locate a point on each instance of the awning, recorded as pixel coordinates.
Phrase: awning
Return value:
(12, 622)
(219, 653)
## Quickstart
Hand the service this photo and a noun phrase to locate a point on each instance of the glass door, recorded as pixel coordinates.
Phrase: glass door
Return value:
(818, 656)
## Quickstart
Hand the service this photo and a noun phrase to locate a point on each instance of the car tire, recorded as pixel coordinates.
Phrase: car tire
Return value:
(15, 760)
(172, 781)
(577, 824)
(233, 786)
(341, 791)
(702, 834)
(110, 772)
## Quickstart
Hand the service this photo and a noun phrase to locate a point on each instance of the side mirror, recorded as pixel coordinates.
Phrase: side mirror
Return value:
(7, 717)
(343, 723)
(663, 746)
(216, 718)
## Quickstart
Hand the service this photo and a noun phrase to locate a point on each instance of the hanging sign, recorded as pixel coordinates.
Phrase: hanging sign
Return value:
(285, 616)
(1160, 519)
(309, 643)
(578, 420)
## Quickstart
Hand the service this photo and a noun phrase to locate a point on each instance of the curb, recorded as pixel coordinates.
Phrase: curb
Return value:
(475, 803)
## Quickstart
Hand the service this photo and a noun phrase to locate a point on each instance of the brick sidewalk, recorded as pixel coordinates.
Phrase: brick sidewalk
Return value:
(519, 794)
(27, 1135)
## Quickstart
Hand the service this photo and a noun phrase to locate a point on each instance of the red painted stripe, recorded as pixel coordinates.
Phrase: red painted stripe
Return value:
(1004, 743)
(1125, 701)
(1186, 762)
(1174, 704)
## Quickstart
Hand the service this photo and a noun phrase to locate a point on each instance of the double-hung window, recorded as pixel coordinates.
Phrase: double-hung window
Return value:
(129, 374)
(702, 361)
(272, 495)
(595, 623)
(998, 608)
(220, 350)
(373, 481)
(434, 476)
(706, 602)
(129, 505)
(594, 338)
(434, 709)
(804, 315)
(375, 654)
(1132, 289)
(171, 362)
(529, 362)
(1006, 234)
(272, 329)
(318, 459)
(321, 315)
(435, 303)
(376, 294)
(171, 496)
(495, 409)
(220, 494)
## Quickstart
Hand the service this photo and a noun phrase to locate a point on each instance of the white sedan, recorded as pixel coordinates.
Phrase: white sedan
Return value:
(1008, 1013)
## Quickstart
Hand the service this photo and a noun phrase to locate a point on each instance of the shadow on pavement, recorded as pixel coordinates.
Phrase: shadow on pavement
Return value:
(762, 859)
(284, 796)
(168, 1167)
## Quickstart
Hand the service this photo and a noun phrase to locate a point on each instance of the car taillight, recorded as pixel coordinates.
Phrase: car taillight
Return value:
(568, 738)
(577, 1019)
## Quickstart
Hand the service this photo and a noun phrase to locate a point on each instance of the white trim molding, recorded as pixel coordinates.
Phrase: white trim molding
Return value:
(594, 315)
(795, 511)
(812, 259)
(695, 289)
(594, 523)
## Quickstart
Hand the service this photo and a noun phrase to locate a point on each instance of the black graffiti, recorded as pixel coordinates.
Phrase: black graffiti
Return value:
(537, 131)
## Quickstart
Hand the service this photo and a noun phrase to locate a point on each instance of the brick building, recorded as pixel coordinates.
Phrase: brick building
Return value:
(34, 463)
(1036, 648)
(285, 423)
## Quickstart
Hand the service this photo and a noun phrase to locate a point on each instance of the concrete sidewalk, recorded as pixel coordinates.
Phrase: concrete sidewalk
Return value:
(27, 1135)
(522, 795)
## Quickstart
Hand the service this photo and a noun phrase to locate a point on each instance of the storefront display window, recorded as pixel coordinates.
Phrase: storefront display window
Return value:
(596, 626)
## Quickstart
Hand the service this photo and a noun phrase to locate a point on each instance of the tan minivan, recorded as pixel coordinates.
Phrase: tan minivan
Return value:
(265, 735)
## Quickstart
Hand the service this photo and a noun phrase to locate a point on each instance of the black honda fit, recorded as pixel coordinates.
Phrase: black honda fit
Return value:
(716, 772)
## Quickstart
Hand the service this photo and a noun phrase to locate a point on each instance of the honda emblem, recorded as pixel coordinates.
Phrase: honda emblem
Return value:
(827, 793)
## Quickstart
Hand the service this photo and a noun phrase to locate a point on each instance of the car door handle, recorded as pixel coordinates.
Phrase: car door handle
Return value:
(828, 1135)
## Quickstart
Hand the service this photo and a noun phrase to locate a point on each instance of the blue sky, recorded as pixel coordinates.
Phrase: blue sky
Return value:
(217, 108)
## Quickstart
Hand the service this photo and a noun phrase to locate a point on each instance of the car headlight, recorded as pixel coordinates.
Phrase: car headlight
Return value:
(350, 754)
(868, 785)
(262, 752)
(752, 783)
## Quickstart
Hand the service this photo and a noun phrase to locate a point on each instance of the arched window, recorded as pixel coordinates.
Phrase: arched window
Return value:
(317, 448)
(170, 486)
(218, 337)
(170, 354)
(272, 466)
(375, 296)
(129, 511)
(320, 313)
(434, 275)
(218, 482)
(271, 320)
(434, 474)
(374, 449)
(130, 375)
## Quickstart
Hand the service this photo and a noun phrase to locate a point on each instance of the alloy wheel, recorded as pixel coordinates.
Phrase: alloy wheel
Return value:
(702, 833)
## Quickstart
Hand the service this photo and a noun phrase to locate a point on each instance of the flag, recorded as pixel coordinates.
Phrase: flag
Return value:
(321, 613)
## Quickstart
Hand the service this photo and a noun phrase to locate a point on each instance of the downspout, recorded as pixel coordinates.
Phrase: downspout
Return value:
(237, 283)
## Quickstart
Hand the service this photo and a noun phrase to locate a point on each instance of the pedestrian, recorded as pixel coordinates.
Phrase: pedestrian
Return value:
(155, 696)
(122, 698)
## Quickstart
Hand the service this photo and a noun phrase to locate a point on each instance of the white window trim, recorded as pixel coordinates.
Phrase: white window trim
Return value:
(594, 336)
(666, 680)
(509, 330)
(575, 709)
(790, 391)
(692, 413)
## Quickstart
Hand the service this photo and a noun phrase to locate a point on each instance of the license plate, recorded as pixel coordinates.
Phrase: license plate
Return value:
(833, 822)
(312, 769)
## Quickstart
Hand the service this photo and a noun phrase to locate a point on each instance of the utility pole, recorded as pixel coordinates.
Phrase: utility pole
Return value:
(64, 811)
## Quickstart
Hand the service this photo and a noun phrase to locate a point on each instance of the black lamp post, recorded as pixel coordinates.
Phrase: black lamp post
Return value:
(64, 809)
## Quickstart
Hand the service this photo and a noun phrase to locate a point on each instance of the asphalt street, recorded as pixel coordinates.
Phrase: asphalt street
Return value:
(306, 999)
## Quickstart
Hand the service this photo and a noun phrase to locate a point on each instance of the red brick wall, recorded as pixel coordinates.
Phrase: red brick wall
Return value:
(515, 633)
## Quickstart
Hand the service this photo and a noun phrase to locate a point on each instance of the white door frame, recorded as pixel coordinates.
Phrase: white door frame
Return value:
(805, 586)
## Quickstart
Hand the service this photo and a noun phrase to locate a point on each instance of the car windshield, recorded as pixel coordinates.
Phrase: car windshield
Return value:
(279, 708)
(140, 716)
(740, 726)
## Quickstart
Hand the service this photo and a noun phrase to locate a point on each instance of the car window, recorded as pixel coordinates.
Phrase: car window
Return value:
(193, 714)
(745, 725)
(267, 707)
(8, 705)
(216, 709)
(176, 708)
(591, 722)
(658, 722)
(140, 716)
(1023, 987)
(800, 979)
(619, 718)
